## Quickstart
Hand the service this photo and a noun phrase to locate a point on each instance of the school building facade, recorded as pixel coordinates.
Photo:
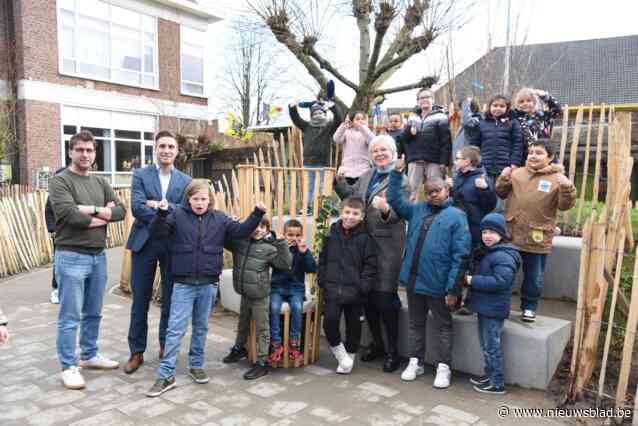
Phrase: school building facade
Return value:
(120, 68)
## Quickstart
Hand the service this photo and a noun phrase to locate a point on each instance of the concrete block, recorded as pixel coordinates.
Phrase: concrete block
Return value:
(532, 351)
(561, 270)
(230, 300)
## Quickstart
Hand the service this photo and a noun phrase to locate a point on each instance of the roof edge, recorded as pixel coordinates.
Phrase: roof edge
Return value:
(191, 8)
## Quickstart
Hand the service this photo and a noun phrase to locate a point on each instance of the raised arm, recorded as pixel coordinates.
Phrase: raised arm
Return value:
(338, 116)
(340, 135)
(282, 259)
(396, 196)
(296, 118)
(239, 231)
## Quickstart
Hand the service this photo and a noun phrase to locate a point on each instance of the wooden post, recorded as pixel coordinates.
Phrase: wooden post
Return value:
(563, 136)
(293, 194)
(280, 202)
(599, 153)
(574, 148)
(583, 187)
(610, 322)
(630, 337)
(304, 201)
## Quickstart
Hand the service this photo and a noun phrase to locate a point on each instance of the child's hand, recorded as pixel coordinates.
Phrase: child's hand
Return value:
(507, 172)
(4, 334)
(449, 181)
(302, 246)
(163, 205)
(399, 165)
(293, 104)
(468, 280)
(261, 206)
(341, 175)
(450, 300)
(540, 93)
(110, 204)
(480, 183)
(564, 180)
(513, 167)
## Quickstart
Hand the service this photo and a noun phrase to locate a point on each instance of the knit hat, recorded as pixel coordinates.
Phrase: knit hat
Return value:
(495, 222)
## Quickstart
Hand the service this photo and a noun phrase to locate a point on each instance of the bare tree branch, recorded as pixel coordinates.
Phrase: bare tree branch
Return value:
(426, 83)
(324, 64)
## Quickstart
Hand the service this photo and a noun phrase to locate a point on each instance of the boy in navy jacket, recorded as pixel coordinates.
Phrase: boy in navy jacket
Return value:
(290, 286)
(490, 297)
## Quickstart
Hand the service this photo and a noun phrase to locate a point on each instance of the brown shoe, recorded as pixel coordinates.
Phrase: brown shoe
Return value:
(161, 354)
(134, 362)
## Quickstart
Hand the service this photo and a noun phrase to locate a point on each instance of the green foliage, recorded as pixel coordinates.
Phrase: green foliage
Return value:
(329, 207)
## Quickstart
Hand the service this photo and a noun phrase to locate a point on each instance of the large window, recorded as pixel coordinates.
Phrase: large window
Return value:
(105, 42)
(124, 141)
(192, 60)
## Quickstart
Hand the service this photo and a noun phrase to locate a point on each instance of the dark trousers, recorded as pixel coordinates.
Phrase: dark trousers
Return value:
(383, 307)
(418, 307)
(533, 271)
(54, 283)
(490, 331)
(143, 267)
(332, 319)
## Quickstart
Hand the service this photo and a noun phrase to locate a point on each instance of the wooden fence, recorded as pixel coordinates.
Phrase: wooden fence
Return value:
(24, 241)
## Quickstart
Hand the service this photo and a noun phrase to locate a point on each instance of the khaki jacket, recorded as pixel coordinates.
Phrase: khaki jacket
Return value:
(533, 198)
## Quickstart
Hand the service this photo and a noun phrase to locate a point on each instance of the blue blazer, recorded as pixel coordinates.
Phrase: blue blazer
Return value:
(146, 186)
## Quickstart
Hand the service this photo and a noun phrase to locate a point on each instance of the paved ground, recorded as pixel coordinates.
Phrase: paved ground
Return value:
(31, 392)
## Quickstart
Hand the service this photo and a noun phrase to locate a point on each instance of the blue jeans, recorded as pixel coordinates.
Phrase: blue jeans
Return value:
(295, 302)
(533, 270)
(490, 331)
(143, 266)
(188, 301)
(81, 284)
(311, 181)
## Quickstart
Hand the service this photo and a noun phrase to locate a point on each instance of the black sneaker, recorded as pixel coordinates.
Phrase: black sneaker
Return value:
(198, 375)
(528, 315)
(235, 355)
(479, 381)
(161, 386)
(489, 388)
(256, 371)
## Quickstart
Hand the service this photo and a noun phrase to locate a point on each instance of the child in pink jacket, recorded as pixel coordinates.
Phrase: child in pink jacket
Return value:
(354, 135)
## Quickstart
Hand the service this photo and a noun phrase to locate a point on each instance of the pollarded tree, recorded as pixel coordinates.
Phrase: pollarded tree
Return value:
(390, 33)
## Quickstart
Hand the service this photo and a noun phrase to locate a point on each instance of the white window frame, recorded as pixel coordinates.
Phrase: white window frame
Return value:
(203, 95)
(62, 58)
(110, 176)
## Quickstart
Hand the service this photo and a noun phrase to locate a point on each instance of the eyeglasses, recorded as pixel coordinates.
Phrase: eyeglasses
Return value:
(460, 158)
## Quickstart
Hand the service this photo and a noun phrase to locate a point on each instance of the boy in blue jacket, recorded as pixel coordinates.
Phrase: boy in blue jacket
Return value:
(290, 286)
(490, 296)
(438, 243)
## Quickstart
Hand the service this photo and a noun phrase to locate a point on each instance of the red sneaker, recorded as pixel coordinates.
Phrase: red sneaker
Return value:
(294, 351)
(276, 352)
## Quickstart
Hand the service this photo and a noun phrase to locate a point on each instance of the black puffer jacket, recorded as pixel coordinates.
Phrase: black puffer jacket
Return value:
(317, 140)
(501, 142)
(432, 141)
(347, 265)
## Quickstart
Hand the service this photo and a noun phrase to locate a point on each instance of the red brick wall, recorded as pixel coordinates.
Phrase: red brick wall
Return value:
(3, 43)
(39, 137)
(38, 34)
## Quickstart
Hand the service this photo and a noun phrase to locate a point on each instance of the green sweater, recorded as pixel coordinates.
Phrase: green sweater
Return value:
(67, 190)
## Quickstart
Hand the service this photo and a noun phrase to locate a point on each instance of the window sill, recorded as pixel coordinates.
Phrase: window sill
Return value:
(102, 80)
(192, 95)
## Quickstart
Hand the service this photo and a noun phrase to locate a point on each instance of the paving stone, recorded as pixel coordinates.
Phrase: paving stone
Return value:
(28, 374)
(328, 415)
(21, 361)
(104, 382)
(297, 380)
(318, 371)
(242, 420)
(59, 415)
(188, 393)
(389, 419)
(17, 410)
(285, 408)
(445, 421)
(232, 398)
(63, 396)
(108, 418)
(377, 389)
(266, 389)
(147, 407)
(18, 392)
(200, 413)
(415, 410)
(455, 414)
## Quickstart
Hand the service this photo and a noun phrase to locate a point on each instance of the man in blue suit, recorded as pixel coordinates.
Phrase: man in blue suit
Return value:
(150, 186)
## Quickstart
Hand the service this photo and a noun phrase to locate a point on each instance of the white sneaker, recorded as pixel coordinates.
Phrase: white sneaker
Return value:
(412, 370)
(345, 367)
(443, 376)
(72, 379)
(99, 362)
(345, 361)
(528, 315)
(54, 298)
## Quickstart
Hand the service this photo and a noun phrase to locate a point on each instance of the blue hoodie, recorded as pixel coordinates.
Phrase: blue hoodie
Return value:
(294, 280)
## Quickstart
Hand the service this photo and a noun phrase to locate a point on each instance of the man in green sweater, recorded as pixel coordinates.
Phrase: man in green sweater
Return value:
(83, 205)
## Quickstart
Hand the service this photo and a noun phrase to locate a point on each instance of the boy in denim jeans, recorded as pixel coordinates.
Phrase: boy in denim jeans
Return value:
(290, 286)
(198, 234)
